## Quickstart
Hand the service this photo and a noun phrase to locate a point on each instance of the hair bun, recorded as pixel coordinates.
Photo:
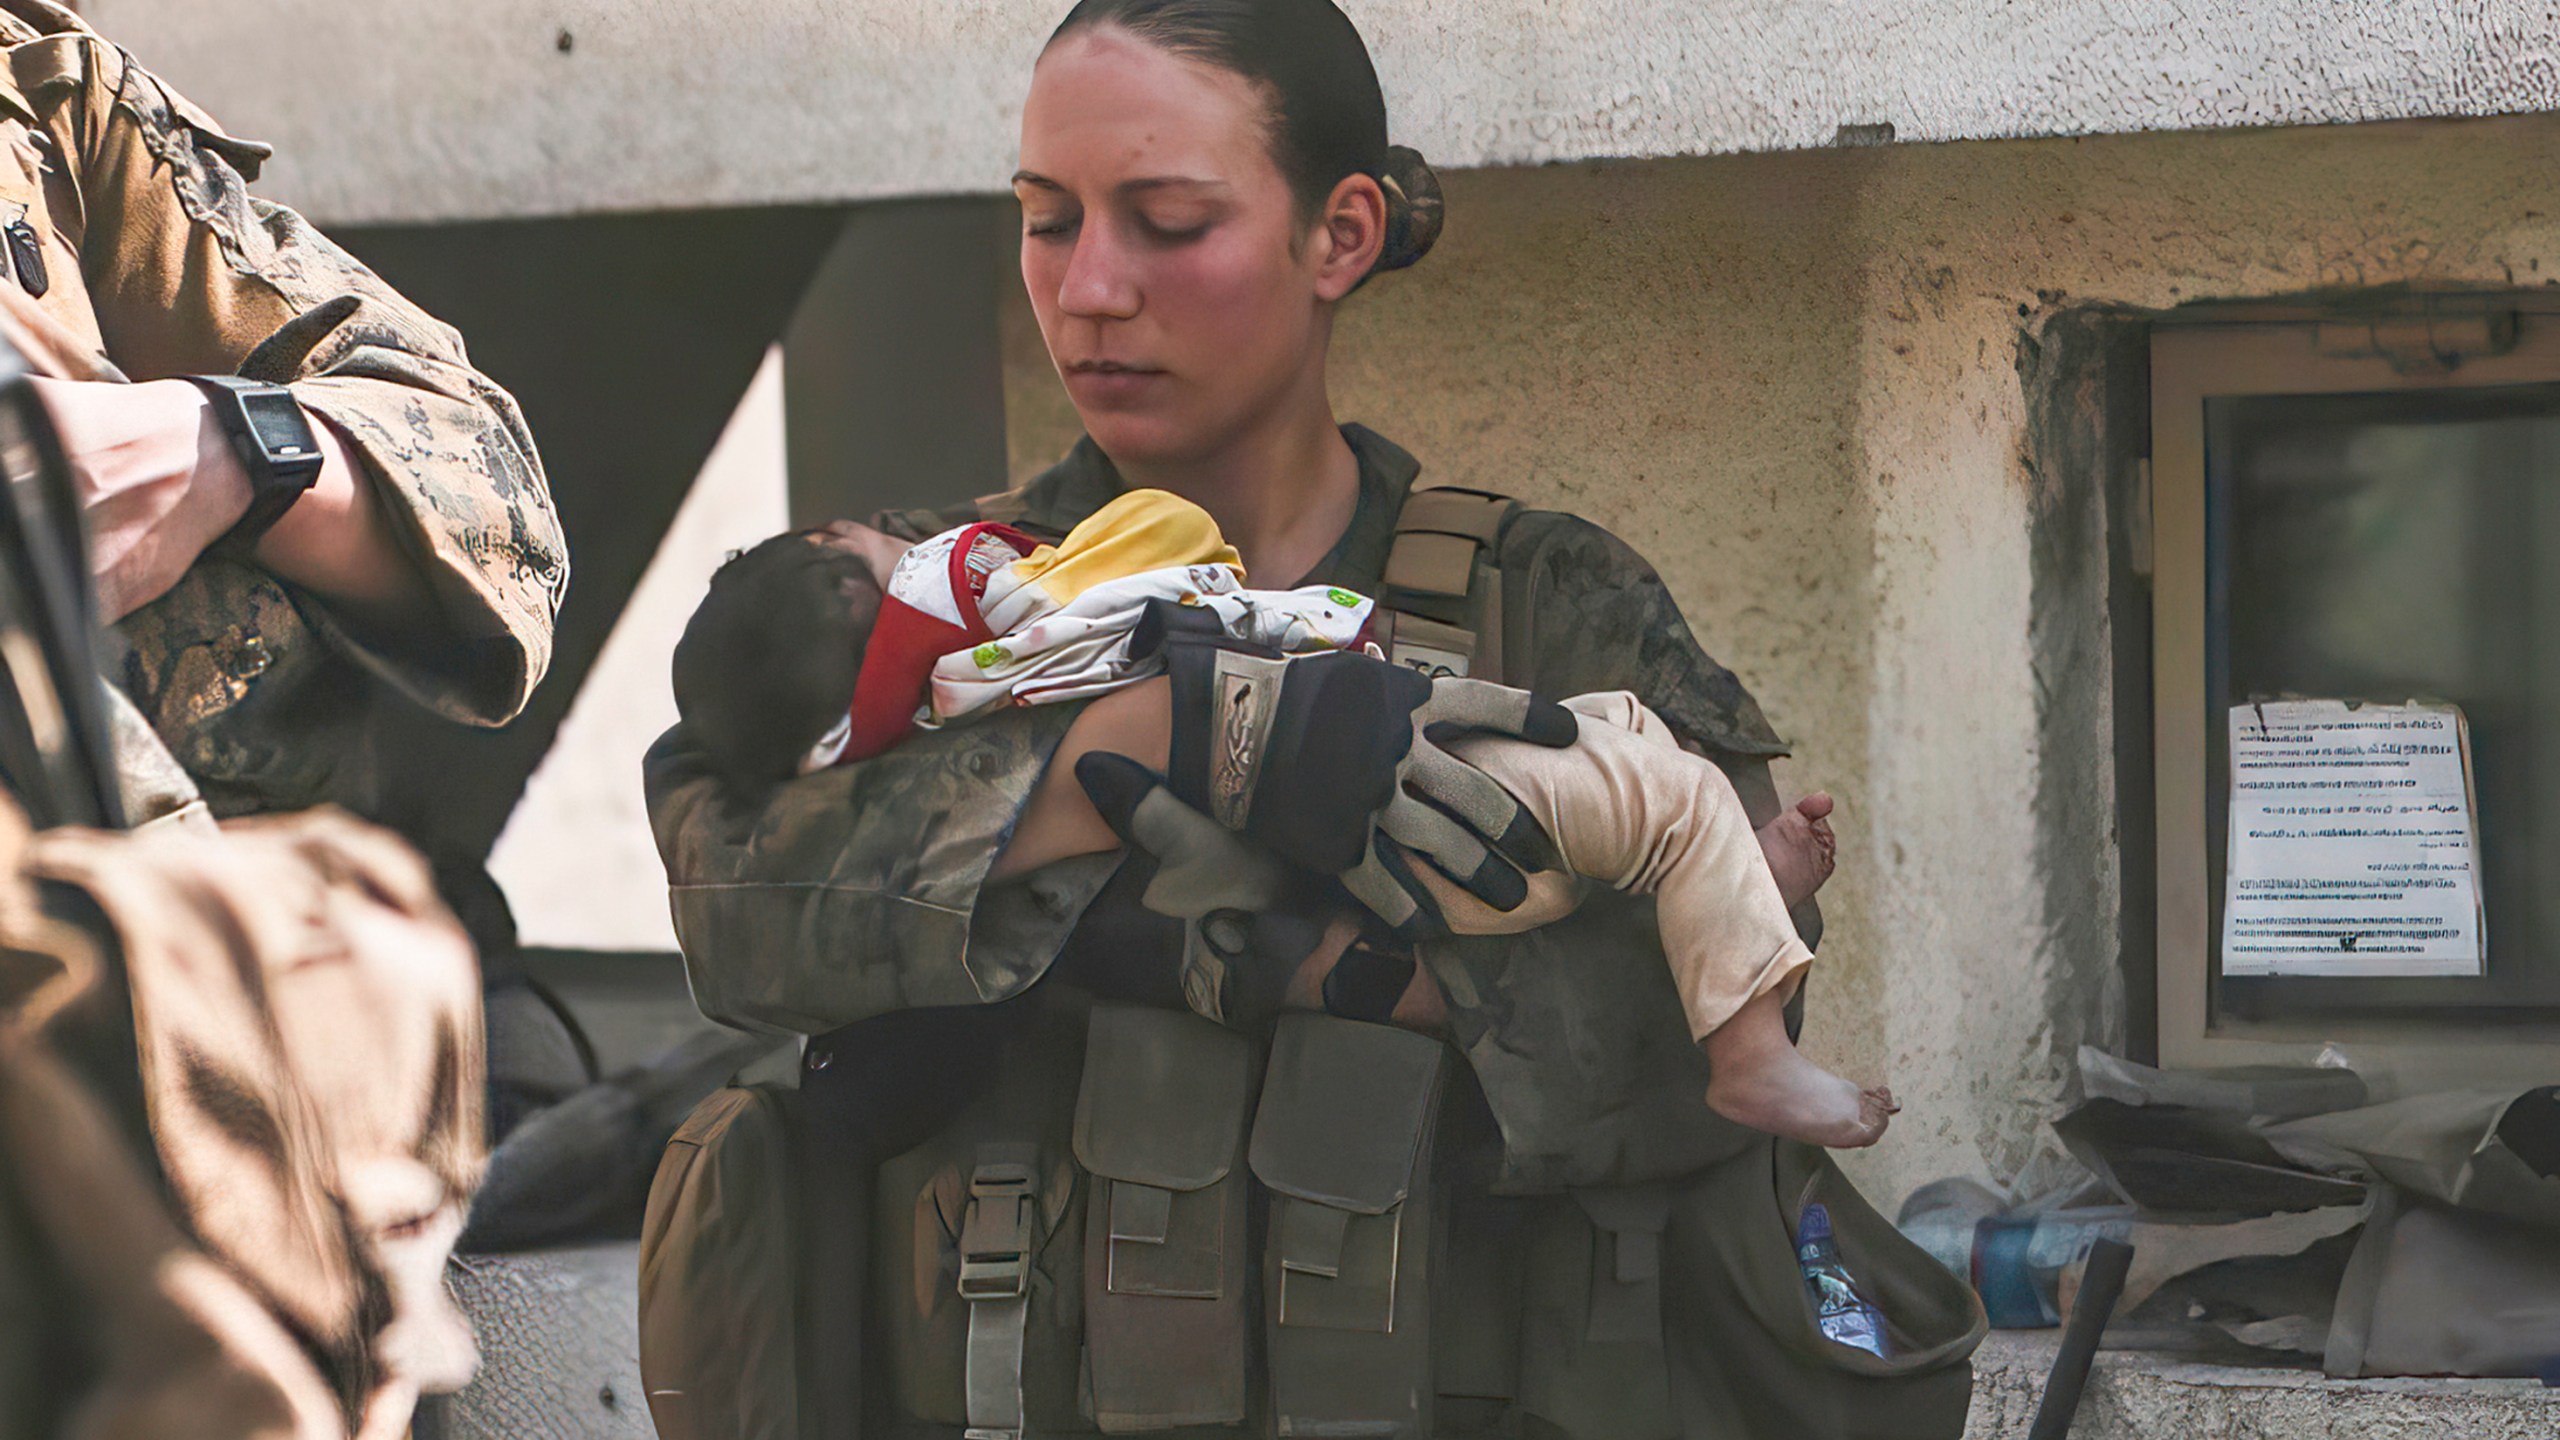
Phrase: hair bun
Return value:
(1413, 208)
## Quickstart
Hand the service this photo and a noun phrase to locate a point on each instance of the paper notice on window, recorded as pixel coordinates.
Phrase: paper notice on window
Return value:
(2353, 848)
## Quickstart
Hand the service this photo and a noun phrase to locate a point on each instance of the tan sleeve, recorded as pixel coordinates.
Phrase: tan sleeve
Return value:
(189, 274)
(308, 1047)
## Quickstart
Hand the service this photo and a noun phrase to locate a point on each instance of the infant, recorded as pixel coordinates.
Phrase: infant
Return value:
(830, 645)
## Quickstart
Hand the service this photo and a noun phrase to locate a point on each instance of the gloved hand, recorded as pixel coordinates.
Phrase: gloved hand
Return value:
(1245, 927)
(1200, 868)
(1329, 762)
(1452, 815)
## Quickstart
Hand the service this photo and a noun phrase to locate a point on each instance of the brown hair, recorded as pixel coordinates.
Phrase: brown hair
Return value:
(1328, 116)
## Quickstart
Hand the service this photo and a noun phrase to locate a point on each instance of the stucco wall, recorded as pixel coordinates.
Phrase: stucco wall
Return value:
(1792, 381)
(474, 109)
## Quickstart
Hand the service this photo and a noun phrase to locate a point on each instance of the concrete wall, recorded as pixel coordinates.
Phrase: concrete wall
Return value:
(470, 109)
(1792, 380)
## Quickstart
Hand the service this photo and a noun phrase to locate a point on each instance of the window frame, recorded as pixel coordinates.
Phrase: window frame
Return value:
(2191, 364)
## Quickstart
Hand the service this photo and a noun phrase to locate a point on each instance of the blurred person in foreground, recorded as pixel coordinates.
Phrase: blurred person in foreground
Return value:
(241, 1065)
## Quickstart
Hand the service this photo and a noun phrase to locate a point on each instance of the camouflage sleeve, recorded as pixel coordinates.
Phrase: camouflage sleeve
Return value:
(189, 274)
(862, 889)
(1599, 618)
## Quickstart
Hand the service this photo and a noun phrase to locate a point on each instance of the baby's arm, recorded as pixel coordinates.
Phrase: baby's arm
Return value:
(1060, 822)
(878, 550)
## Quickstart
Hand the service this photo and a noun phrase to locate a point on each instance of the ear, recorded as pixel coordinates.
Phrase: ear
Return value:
(1350, 231)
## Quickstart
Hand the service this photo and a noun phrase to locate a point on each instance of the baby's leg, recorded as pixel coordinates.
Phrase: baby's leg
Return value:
(1757, 1077)
(1628, 808)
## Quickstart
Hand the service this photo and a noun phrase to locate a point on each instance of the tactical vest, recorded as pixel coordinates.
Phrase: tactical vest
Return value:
(1450, 608)
(1128, 1253)
(1149, 1223)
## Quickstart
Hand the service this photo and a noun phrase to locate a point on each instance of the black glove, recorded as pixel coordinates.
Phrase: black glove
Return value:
(1200, 867)
(1329, 762)
(1246, 917)
(1246, 922)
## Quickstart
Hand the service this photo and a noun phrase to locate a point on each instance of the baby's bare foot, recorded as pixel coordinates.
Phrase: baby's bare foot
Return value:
(1800, 848)
(1876, 1109)
(1783, 1093)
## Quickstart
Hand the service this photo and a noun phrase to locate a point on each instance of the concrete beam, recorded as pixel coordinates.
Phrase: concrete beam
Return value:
(628, 340)
(892, 370)
(475, 109)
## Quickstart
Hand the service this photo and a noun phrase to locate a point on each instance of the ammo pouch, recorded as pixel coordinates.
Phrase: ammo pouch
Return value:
(1343, 1138)
(1591, 1360)
(1745, 1356)
(1160, 1131)
(719, 1276)
(975, 1283)
(1449, 608)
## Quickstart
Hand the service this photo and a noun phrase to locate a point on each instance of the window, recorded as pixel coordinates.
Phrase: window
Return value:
(2364, 510)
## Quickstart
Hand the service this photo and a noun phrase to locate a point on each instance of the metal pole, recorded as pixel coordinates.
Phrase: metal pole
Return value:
(2099, 1287)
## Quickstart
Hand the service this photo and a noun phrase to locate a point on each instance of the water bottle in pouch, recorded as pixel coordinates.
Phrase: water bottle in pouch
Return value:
(1837, 1307)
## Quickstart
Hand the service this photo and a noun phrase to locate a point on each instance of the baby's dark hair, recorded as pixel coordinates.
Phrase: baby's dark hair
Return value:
(767, 664)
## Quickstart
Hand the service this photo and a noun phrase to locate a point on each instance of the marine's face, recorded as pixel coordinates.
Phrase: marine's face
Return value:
(1181, 295)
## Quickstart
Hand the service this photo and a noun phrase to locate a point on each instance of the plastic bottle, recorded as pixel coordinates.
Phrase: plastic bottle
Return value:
(1837, 1308)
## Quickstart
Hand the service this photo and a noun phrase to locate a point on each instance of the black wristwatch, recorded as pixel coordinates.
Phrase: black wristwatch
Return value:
(276, 446)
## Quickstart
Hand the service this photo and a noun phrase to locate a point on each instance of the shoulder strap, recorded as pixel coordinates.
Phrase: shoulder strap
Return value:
(1445, 585)
(1439, 535)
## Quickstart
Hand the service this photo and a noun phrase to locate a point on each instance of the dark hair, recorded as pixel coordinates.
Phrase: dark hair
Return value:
(767, 664)
(1328, 117)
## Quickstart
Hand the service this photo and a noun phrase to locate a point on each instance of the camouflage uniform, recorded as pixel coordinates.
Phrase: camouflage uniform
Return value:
(153, 255)
(297, 1015)
(240, 1089)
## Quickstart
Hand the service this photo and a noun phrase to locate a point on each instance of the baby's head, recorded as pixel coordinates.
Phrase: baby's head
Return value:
(767, 664)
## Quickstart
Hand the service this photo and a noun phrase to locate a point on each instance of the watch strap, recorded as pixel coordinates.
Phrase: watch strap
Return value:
(276, 478)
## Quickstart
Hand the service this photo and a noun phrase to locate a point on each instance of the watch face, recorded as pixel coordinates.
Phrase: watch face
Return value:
(280, 428)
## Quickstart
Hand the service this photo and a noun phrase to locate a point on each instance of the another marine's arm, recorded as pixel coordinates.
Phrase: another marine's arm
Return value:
(188, 274)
